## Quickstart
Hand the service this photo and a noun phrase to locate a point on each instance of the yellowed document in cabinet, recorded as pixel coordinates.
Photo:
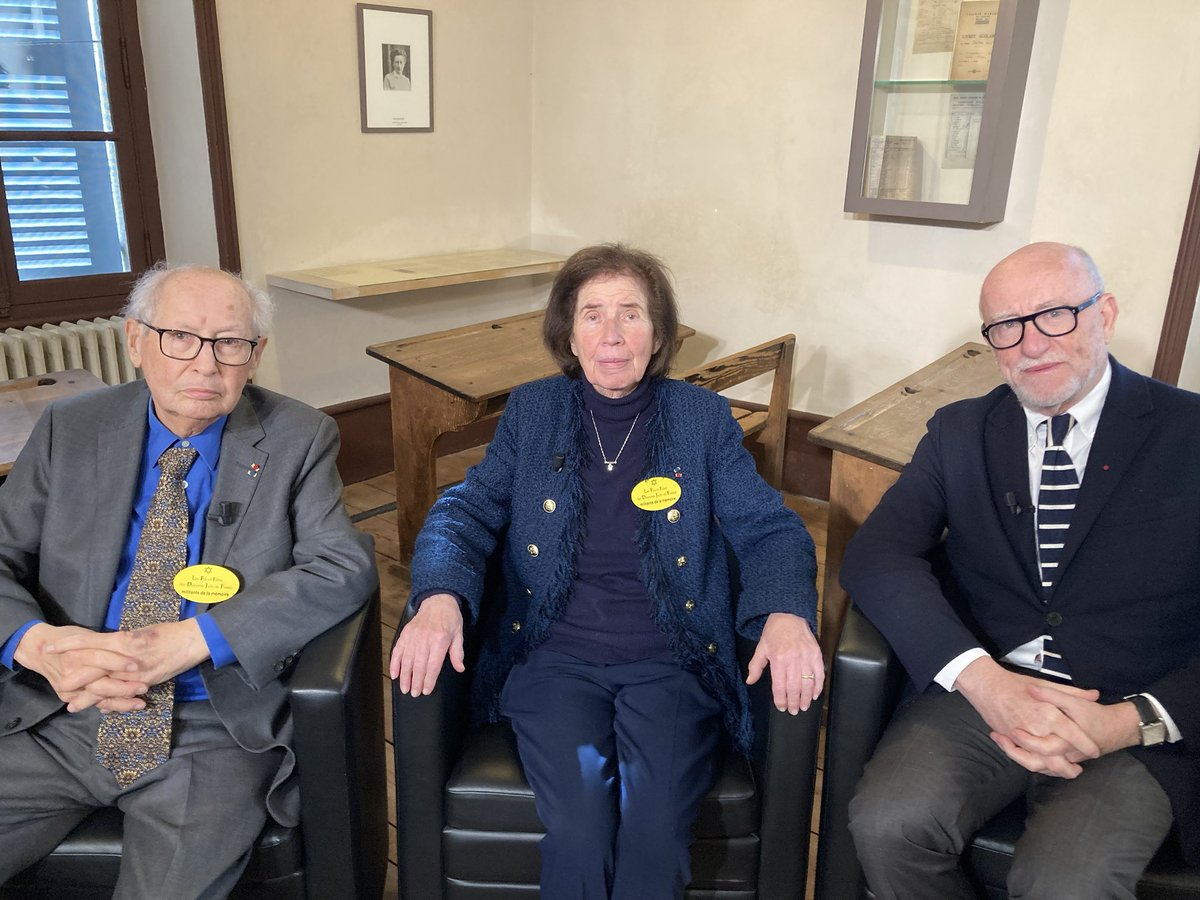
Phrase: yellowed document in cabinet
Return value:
(936, 26)
(973, 41)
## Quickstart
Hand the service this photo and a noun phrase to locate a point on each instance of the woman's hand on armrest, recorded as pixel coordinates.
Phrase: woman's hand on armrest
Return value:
(787, 645)
(435, 631)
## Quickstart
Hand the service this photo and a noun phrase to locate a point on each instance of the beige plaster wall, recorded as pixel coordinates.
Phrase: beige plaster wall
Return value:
(717, 136)
(312, 190)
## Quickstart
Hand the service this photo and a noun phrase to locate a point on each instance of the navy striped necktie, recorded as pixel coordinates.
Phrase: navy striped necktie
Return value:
(1056, 501)
(1056, 498)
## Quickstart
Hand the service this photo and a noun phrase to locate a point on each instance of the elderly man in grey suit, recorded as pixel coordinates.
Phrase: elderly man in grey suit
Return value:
(167, 548)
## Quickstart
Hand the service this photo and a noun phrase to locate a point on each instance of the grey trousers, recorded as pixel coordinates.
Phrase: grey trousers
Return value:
(937, 776)
(189, 823)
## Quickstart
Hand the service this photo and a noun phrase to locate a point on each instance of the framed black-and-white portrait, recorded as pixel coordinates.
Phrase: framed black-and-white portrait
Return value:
(395, 68)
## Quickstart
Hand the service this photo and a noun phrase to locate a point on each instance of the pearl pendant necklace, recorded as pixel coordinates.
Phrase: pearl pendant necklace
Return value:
(610, 464)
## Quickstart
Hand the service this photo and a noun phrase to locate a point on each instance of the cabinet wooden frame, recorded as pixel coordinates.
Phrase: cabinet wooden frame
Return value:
(1003, 96)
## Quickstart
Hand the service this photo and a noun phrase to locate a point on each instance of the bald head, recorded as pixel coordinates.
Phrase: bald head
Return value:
(1045, 262)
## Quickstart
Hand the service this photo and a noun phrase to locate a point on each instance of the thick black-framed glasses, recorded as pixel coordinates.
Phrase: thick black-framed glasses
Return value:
(1056, 321)
(183, 345)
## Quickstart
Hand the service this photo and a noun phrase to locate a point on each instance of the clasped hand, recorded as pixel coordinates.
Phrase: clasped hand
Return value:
(110, 670)
(1045, 727)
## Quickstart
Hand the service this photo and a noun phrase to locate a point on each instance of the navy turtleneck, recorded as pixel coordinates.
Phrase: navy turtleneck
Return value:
(607, 620)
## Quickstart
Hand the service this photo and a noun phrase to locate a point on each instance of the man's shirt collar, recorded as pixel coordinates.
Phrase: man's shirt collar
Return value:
(1086, 411)
(160, 438)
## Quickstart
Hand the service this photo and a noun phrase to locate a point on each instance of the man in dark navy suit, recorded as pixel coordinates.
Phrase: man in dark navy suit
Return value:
(1058, 656)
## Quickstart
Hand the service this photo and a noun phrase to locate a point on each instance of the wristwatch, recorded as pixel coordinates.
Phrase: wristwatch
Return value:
(1152, 728)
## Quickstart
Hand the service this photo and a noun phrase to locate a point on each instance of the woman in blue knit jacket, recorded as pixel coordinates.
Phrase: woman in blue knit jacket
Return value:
(611, 492)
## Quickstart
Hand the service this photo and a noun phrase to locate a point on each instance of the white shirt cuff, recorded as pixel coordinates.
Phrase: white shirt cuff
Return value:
(950, 672)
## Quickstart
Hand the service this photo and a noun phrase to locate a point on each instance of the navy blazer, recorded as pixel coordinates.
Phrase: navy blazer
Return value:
(538, 454)
(1125, 607)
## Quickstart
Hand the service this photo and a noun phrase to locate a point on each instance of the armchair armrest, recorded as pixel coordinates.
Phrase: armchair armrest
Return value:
(865, 682)
(784, 760)
(428, 734)
(337, 707)
(788, 782)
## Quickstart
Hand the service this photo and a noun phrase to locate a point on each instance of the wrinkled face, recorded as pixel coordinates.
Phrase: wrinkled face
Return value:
(1049, 374)
(612, 334)
(189, 395)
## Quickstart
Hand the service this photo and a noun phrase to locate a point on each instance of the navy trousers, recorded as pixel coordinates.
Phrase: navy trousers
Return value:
(619, 758)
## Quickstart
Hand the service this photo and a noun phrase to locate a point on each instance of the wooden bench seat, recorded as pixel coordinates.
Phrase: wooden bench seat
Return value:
(768, 426)
(752, 420)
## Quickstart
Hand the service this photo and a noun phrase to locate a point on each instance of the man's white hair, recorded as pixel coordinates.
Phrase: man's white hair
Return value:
(143, 299)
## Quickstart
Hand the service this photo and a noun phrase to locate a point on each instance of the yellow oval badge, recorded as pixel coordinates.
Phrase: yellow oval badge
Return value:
(656, 493)
(206, 583)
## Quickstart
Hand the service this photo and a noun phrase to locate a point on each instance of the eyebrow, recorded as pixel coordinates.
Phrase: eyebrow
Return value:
(219, 333)
(624, 304)
(1049, 304)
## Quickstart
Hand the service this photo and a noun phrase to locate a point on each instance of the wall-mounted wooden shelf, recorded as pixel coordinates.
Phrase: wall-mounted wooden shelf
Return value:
(393, 276)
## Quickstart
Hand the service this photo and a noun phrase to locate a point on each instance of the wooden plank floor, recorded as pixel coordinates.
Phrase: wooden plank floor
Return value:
(372, 502)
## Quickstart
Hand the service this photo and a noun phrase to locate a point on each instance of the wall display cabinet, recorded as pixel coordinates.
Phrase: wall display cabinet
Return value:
(940, 88)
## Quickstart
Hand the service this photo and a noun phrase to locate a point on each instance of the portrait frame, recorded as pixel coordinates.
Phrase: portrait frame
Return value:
(395, 68)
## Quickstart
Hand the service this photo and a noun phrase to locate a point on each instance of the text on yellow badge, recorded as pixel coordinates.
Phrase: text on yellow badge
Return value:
(206, 583)
(656, 493)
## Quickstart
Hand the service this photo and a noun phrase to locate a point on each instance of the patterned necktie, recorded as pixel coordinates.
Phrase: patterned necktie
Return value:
(130, 744)
(1056, 501)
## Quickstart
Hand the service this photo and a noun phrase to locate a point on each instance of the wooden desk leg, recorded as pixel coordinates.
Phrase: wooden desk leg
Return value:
(421, 413)
(855, 487)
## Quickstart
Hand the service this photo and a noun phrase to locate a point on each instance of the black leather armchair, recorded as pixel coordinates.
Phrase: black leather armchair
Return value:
(866, 680)
(466, 826)
(340, 848)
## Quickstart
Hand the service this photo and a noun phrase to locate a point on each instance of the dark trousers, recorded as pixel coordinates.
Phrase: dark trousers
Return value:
(619, 758)
(937, 776)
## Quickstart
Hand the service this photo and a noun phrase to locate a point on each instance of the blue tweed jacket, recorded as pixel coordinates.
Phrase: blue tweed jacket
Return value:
(527, 501)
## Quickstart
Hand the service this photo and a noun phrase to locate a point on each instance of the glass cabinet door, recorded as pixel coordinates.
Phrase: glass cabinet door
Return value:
(940, 90)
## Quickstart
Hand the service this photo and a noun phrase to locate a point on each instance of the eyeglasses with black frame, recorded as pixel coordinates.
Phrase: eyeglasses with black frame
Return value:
(183, 345)
(1057, 321)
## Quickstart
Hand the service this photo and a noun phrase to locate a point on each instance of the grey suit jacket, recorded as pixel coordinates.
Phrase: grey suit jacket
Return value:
(64, 516)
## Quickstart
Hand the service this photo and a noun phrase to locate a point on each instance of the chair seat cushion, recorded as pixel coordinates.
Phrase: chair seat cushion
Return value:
(487, 792)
